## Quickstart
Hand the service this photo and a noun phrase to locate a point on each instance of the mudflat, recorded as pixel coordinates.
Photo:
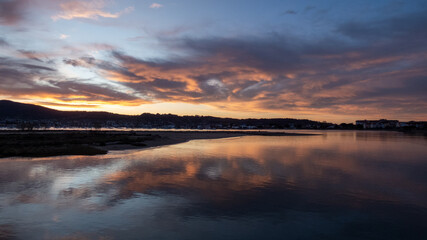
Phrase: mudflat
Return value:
(56, 143)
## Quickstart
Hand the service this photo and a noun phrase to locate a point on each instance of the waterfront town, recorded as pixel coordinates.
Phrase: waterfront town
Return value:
(196, 122)
(20, 116)
(389, 124)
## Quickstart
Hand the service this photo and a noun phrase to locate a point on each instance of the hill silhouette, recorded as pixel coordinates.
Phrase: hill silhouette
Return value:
(17, 112)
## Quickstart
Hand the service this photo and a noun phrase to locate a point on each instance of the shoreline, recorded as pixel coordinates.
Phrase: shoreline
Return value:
(77, 142)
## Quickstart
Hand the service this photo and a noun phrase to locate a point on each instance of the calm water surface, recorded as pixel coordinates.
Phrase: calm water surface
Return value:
(337, 185)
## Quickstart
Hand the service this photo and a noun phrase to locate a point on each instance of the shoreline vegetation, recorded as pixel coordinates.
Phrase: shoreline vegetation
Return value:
(59, 143)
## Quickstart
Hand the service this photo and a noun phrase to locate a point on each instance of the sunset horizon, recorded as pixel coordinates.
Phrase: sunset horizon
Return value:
(313, 60)
(213, 119)
(213, 114)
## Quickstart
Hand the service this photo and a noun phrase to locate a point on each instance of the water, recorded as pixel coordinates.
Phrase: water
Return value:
(337, 185)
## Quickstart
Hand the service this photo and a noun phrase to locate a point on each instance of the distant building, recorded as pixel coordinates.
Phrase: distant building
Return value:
(416, 124)
(377, 124)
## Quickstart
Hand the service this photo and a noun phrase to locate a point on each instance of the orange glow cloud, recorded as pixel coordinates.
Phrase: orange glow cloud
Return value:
(274, 75)
(84, 9)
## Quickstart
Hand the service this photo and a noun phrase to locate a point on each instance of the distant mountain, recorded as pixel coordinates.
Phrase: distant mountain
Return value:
(13, 113)
(15, 110)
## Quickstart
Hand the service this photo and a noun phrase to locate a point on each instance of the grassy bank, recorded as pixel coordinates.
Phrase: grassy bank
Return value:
(45, 143)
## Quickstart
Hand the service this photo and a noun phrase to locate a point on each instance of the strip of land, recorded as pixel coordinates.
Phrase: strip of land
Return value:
(57, 143)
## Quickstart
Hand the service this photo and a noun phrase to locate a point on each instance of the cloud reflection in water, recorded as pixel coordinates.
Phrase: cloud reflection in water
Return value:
(340, 184)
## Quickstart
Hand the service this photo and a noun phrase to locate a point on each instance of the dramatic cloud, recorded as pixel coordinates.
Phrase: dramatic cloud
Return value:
(83, 9)
(29, 78)
(106, 69)
(370, 67)
(280, 73)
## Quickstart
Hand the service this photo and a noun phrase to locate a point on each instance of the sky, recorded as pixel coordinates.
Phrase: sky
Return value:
(334, 61)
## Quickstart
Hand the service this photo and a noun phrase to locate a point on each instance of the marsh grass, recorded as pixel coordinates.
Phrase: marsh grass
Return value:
(42, 144)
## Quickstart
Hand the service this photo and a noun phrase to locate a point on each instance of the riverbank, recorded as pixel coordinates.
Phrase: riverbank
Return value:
(57, 143)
